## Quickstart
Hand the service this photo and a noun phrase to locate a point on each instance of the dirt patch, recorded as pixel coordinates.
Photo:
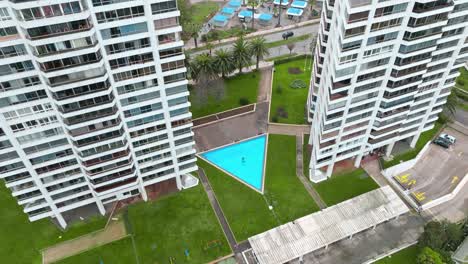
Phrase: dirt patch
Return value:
(294, 70)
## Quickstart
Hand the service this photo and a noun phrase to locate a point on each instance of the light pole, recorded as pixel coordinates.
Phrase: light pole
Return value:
(279, 14)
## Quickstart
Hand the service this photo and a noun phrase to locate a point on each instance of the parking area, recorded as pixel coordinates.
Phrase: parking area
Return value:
(438, 172)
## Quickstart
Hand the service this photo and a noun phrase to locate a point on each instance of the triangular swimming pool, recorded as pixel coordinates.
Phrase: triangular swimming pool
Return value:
(243, 160)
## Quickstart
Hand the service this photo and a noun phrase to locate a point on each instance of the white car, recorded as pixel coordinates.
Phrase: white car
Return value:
(449, 138)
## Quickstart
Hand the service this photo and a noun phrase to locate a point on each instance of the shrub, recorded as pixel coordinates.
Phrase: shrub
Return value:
(204, 38)
(460, 82)
(243, 101)
(298, 84)
(281, 112)
(274, 119)
(288, 59)
(279, 89)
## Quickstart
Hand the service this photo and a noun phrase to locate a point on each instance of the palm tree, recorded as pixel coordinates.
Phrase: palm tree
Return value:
(259, 49)
(209, 46)
(203, 67)
(452, 103)
(241, 53)
(223, 62)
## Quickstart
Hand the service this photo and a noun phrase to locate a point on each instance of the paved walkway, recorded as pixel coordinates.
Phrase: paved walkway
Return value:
(373, 169)
(237, 248)
(285, 129)
(300, 173)
(114, 231)
(264, 86)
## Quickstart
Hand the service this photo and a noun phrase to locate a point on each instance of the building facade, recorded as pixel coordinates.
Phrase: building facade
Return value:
(93, 102)
(383, 71)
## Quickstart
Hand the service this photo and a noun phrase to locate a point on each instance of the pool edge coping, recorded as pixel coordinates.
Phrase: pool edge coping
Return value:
(233, 176)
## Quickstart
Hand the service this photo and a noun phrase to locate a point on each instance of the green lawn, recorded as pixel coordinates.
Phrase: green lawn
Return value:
(202, 10)
(21, 240)
(288, 104)
(120, 251)
(165, 228)
(237, 87)
(412, 153)
(246, 210)
(306, 155)
(462, 80)
(345, 186)
(405, 256)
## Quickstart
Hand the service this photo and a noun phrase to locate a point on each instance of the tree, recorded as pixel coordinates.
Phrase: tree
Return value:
(434, 236)
(429, 256)
(279, 13)
(203, 68)
(241, 53)
(191, 30)
(291, 47)
(259, 49)
(209, 46)
(253, 4)
(224, 62)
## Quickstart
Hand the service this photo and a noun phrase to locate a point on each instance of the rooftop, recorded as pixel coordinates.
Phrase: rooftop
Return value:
(317, 230)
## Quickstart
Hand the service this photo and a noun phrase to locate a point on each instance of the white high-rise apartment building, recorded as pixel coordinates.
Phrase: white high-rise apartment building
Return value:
(93, 102)
(383, 71)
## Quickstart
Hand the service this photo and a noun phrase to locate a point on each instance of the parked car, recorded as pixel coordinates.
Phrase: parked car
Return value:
(441, 142)
(448, 137)
(288, 34)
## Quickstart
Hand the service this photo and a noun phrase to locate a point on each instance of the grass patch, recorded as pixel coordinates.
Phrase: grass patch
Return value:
(283, 188)
(202, 10)
(119, 251)
(306, 156)
(22, 240)
(411, 154)
(287, 41)
(237, 87)
(282, 57)
(462, 79)
(246, 210)
(345, 186)
(288, 104)
(405, 256)
(167, 227)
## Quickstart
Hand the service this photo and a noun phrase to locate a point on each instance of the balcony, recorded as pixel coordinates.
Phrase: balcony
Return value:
(358, 17)
(422, 8)
(90, 116)
(106, 158)
(70, 62)
(76, 76)
(58, 30)
(359, 3)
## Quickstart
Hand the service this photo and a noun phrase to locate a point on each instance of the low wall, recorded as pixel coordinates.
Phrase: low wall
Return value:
(404, 166)
(446, 197)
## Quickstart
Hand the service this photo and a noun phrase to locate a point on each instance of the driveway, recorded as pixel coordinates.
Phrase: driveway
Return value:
(439, 171)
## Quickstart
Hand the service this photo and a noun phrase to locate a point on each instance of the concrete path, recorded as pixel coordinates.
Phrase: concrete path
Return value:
(285, 129)
(264, 86)
(373, 169)
(300, 173)
(114, 231)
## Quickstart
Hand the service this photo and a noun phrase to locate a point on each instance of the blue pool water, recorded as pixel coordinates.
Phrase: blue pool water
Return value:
(243, 160)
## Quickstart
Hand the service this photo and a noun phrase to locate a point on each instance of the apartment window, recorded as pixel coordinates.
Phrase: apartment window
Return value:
(348, 59)
(150, 140)
(174, 78)
(370, 75)
(129, 88)
(134, 73)
(81, 90)
(70, 62)
(98, 138)
(4, 14)
(135, 59)
(147, 130)
(61, 46)
(167, 53)
(8, 31)
(91, 102)
(146, 120)
(373, 64)
(127, 30)
(119, 14)
(460, 7)
(39, 135)
(139, 98)
(12, 51)
(412, 59)
(50, 11)
(453, 32)
(166, 22)
(389, 10)
(386, 24)
(108, 2)
(351, 45)
(425, 7)
(172, 65)
(423, 45)
(27, 111)
(164, 7)
(129, 45)
(142, 110)
(417, 22)
(352, 32)
(345, 71)
(22, 98)
(58, 29)
(176, 90)
(377, 51)
(167, 38)
(382, 38)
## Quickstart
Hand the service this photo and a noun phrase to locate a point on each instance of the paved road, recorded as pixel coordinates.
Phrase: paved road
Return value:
(301, 47)
(462, 117)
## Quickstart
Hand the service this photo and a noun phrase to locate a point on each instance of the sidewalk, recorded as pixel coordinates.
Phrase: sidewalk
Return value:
(288, 129)
(300, 173)
(115, 231)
